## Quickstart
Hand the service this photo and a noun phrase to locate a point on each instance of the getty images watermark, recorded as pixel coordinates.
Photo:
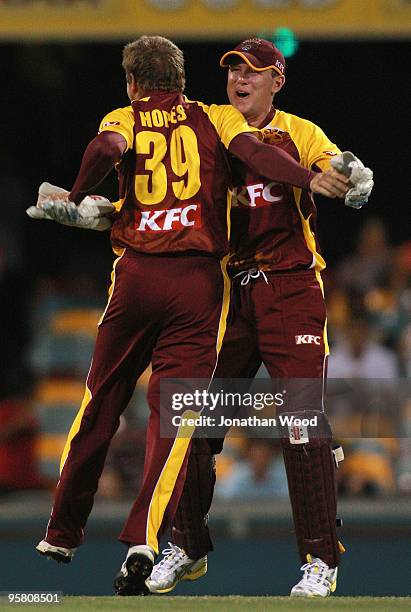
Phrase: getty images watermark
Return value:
(283, 420)
(204, 398)
(355, 408)
(208, 401)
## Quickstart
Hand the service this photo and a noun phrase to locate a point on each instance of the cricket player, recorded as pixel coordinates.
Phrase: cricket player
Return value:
(278, 317)
(170, 293)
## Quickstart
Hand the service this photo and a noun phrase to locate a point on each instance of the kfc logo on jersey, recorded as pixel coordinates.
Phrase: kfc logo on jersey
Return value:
(256, 195)
(308, 339)
(170, 219)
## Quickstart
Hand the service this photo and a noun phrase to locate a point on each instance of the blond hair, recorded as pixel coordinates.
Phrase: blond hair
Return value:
(156, 63)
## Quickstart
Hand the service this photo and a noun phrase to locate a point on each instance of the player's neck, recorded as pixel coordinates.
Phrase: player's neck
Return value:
(262, 119)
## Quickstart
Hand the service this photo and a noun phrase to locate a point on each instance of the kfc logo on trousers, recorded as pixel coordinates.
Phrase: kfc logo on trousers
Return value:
(308, 339)
(170, 219)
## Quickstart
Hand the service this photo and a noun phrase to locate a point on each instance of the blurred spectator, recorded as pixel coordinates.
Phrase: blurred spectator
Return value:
(259, 475)
(404, 462)
(368, 468)
(389, 305)
(18, 436)
(371, 262)
(358, 355)
(404, 352)
(123, 470)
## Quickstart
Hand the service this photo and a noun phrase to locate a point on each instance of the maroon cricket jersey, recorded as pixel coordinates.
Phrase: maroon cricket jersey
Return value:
(174, 174)
(273, 224)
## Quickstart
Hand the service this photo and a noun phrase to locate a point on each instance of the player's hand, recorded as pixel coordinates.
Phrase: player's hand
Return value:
(361, 178)
(53, 204)
(331, 184)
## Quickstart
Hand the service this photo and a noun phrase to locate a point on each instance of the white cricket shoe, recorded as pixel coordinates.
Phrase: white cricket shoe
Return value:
(174, 567)
(318, 580)
(57, 553)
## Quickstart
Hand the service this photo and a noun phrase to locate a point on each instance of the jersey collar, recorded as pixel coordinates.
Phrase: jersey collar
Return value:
(267, 119)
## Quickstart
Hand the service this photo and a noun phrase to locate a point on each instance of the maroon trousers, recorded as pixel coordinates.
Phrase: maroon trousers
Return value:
(167, 310)
(278, 319)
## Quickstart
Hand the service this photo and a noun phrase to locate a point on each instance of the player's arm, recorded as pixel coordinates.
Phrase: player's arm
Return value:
(100, 156)
(73, 208)
(278, 165)
(241, 140)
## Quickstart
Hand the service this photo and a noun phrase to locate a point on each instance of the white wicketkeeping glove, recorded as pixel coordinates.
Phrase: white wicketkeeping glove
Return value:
(89, 214)
(360, 178)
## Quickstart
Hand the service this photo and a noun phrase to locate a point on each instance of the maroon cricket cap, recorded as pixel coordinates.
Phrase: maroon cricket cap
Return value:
(259, 54)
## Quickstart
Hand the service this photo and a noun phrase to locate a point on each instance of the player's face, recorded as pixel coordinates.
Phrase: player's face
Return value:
(252, 92)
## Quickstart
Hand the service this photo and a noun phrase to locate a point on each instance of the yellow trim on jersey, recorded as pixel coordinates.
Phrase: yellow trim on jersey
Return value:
(120, 120)
(313, 146)
(319, 263)
(165, 485)
(118, 204)
(325, 333)
(227, 120)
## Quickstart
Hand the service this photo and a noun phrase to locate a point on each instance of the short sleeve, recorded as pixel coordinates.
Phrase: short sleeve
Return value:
(229, 122)
(121, 121)
(320, 150)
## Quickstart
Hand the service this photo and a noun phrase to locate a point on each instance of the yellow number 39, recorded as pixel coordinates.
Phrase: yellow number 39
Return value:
(185, 163)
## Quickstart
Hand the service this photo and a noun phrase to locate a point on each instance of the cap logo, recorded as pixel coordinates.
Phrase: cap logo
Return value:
(250, 43)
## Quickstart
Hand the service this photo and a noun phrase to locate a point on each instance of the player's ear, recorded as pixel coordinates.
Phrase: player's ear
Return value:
(278, 82)
(130, 79)
(132, 86)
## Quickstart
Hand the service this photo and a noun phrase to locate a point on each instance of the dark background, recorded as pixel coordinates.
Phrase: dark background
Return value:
(54, 96)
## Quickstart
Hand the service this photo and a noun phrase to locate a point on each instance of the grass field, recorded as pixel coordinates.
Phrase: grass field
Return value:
(226, 604)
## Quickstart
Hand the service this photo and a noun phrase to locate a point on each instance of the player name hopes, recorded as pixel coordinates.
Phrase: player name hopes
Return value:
(283, 420)
(160, 118)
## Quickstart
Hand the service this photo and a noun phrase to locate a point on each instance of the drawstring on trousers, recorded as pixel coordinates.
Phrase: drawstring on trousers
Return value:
(252, 273)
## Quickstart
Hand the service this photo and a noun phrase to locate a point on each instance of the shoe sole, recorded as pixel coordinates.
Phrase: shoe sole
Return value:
(139, 568)
(55, 556)
(313, 595)
(198, 573)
